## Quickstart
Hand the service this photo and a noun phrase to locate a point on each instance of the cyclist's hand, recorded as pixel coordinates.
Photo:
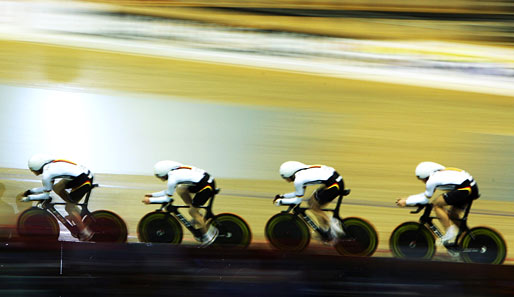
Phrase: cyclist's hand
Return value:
(277, 200)
(401, 202)
(25, 199)
(146, 200)
(26, 193)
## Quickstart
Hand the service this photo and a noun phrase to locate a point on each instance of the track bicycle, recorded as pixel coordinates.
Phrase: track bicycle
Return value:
(40, 222)
(416, 240)
(164, 225)
(289, 231)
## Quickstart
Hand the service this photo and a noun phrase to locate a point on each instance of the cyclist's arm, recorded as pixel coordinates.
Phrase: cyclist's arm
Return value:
(41, 196)
(37, 190)
(43, 192)
(416, 199)
(164, 196)
(299, 191)
(431, 186)
(160, 199)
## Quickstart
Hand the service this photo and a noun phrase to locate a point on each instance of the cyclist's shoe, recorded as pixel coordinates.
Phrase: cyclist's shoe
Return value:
(450, 235)
(209, 237)
(326, 236)
(454, 253)
(86, 235)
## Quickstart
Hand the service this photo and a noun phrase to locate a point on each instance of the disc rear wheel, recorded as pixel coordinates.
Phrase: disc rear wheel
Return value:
(234, 232)
(360, 239)
(483, 245)
(106, 226)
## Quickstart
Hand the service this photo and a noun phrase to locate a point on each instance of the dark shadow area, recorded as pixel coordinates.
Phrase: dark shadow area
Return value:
(89, 269)
(7, 216)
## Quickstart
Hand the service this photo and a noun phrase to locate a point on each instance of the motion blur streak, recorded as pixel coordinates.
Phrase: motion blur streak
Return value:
(179, 129)
(161, 270)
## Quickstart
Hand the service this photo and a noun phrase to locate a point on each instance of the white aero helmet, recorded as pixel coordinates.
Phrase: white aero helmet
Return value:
(425, 169)
(37, 161)
(162, 168)
(289, 168)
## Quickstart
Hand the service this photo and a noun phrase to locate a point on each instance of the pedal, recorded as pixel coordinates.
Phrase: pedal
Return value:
(346, 192)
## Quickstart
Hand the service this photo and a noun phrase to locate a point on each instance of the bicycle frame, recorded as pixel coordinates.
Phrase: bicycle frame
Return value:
(174, 209)
(297, 210)
(49, 206)
(427, 220)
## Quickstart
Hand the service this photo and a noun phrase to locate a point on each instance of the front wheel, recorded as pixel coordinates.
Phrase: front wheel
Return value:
(159, 226)
(234, 232)
(483, 245)
(287, 232)
(37, 224)
(412, 240)
(106, 226)
(360, 238)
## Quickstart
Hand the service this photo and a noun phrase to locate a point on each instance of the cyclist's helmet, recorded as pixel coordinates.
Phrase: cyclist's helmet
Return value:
(37, 161)
(289, 168)
(425, 169)
(162, 168)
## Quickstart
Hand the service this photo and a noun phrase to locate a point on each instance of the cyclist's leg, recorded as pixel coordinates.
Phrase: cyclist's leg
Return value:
(79, 187)
(72, 210)
(201, 197)
(456, 198)
(440, 211)
(185, 194)
(455, 213)
(74, 214)
(316, 207)
(60, 189)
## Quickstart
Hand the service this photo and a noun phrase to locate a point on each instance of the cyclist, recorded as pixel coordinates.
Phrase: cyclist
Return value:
(74, 182)
(186, 180)
(460, 189)
(331, 186)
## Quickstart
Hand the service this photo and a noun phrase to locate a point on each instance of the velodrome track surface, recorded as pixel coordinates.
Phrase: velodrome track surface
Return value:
(374, 136)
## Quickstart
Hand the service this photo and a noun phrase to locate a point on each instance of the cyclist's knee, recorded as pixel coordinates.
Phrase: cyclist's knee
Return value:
(440, 202)
(182, 190)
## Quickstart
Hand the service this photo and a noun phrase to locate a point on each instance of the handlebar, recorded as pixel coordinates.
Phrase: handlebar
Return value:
(420, 207)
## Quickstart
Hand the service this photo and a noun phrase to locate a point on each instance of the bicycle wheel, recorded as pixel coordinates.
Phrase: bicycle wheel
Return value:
(107, 226)
(159, 226)
(483, 245)
(412, 240)
(360, 239)
(234, 232)
(37, 224)
(287, 232)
